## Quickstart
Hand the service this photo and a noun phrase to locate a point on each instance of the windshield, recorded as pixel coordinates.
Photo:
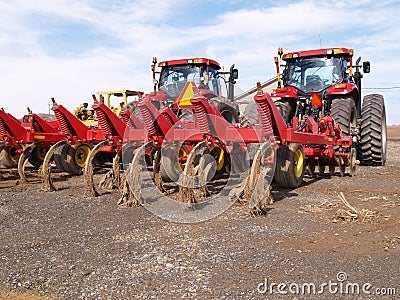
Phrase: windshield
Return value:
(313, 74)
(174, 78)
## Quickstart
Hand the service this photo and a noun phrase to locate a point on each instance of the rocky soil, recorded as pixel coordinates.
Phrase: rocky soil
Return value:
(59, 245)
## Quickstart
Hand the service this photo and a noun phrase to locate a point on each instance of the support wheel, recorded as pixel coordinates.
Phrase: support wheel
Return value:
(290, 166)
(37, 155)
(171, 162)
(77, 157)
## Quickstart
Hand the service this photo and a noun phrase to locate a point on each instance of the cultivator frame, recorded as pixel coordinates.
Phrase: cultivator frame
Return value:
(30, 136)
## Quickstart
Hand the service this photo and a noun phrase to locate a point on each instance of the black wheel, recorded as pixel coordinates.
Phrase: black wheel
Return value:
(6, 159)
(226, 108)
(251, 116)
(60, 157)
(9, 156)
(343, 111)
(311, 164)
(285, 106)
(37, 155)
(321, 169)
(77, 156)
(171, 166)
(290, 166)
(372, 146)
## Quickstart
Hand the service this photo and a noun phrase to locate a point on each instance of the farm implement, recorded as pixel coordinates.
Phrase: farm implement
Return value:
(185, 140)
(26, 141)
(252, 156)
(321, 125)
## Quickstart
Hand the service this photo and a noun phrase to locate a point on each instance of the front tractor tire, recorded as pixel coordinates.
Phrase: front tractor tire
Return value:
(290, 166)
(226, 108)
(285, 107)
(372, 144)
(343, 111)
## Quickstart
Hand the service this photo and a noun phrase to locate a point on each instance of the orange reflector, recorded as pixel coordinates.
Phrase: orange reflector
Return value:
(286, 56)
(316, 100)
(281, 90)
(340, 86)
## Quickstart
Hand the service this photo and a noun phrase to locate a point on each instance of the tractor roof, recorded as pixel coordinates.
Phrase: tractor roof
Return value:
(189, 61)
(341, 52)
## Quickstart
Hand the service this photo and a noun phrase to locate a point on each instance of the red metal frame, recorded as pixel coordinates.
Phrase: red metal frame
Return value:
(188, 61)
(319, 52)
(13, 132)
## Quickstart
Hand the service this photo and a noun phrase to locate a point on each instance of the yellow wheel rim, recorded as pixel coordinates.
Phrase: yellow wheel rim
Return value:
(298, 163)
(181, 153)
(218, 154)
(81, 155)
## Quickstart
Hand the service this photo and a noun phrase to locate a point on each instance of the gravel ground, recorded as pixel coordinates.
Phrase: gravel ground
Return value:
(59, 245)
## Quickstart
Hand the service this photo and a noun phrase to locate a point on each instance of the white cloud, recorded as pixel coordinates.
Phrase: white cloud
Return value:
(248, 37)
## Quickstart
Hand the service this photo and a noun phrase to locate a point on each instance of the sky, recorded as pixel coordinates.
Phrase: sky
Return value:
(70, 49)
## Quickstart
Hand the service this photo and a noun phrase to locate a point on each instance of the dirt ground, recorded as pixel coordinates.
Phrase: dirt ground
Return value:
(59, 245)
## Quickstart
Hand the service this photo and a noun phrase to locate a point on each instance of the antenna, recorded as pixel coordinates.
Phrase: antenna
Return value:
(320, 41)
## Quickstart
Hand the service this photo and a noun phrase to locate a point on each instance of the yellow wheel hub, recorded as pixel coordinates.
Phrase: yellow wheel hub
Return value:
(218, 154)
(181, 153)
(81, 155)
(298, 163)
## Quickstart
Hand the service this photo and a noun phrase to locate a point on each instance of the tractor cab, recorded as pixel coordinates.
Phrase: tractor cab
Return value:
(205, 73)
(315, 75)
(317, 70)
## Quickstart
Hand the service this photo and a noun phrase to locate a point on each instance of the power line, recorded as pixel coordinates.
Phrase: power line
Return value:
(383, 88)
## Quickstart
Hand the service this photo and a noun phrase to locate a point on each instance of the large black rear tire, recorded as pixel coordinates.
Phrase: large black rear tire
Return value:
(250, 116)
(226, 108)
(343, 111)
(372, 146)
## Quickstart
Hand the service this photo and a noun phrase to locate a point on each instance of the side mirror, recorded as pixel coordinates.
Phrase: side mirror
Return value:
(235, 74)
(366, 67)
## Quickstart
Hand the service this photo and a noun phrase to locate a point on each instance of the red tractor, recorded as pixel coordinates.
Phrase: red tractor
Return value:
(325, 82)
(208, 77)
